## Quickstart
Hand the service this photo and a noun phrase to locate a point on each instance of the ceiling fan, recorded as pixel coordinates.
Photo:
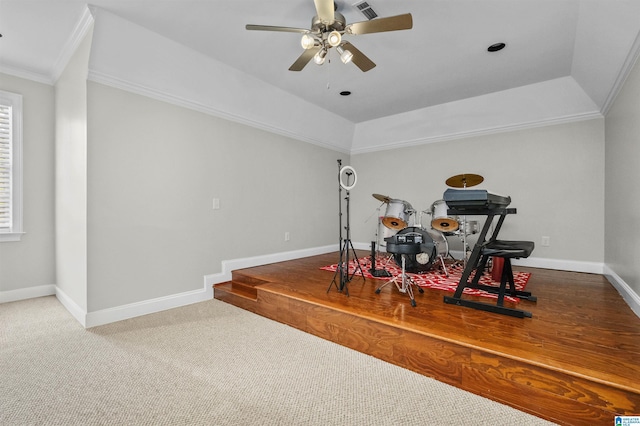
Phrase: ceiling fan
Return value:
(327, 29)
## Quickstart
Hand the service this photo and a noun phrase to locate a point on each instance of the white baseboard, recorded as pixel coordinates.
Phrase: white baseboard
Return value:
(561, 265)
(119, 313)
(248, 262)
(631, 297)
(131, 310)
(145, 307)
(27, 293)
(533, 262)
(79, 313)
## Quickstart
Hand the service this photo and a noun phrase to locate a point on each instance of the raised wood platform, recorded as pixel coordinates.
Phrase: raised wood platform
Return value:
(577, 361)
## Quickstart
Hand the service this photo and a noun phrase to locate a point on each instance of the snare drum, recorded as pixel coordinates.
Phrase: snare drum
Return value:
(439, 219)
(397, 214)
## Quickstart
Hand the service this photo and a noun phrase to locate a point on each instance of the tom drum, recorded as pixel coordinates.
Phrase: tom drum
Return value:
(439, 219)
(397, 214)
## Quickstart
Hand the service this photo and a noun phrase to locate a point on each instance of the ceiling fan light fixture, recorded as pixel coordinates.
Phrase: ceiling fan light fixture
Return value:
(318, 58)
(334, 38)
(345, 55)
(307, 41)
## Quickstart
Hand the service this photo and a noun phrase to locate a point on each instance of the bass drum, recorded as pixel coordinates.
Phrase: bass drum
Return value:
(422, 261)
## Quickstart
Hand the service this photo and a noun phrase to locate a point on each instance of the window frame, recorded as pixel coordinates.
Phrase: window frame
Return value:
(15, 231)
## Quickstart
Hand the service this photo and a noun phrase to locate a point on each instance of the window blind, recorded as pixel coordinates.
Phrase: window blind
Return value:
(5, 166)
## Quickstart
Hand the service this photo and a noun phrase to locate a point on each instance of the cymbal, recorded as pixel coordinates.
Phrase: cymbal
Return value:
(383, 198)
(464, 180)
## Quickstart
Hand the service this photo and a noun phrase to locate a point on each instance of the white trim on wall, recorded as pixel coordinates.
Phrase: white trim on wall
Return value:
(145, 307)
(170, 98)
(230, 265)
(629, 296)
(77, 36)
(27, 293)
(626, 69)
(480, 132)
(535, 262)
(132, 310)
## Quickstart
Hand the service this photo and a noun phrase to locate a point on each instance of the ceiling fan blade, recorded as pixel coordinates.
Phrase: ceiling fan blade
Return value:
(324, 9)
(379, 25)
(359, 58)
(304, 59)
(252, 27)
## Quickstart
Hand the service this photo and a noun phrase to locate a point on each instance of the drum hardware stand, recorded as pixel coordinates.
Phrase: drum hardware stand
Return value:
(405, 286)
(377, 272)
(345, 243)
(375, 251)
(464, 181)
(465, 246)
(442, 264)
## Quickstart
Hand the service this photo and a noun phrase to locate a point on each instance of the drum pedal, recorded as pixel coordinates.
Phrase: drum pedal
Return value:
(380, 273)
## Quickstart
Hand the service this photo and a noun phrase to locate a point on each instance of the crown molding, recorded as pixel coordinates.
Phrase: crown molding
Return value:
(481, 132)
(152, 93)
(77, 35)
(117, 83)
(628, 65)
(27, 75)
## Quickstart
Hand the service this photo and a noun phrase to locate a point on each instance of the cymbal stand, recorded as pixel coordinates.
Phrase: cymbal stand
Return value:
(465, 246)
(345, 243)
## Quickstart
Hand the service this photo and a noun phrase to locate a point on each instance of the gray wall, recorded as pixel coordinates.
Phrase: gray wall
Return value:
(30, 262)
(622, 207)
(153, 171)
(554, 175)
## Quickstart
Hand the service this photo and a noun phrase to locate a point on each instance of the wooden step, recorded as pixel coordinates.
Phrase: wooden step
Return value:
(241, 291)
(238, 288)
(241, 276)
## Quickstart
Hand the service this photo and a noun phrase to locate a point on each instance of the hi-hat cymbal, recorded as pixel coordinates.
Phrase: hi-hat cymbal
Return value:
(383, 198)
(464, 180)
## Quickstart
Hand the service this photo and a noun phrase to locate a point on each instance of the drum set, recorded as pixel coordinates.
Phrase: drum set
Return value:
(401, 224)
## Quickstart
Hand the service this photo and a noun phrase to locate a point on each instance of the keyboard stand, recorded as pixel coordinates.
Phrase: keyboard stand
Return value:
(477, 262)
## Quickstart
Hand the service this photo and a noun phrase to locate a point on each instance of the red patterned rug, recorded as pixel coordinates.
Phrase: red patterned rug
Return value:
(436, 278)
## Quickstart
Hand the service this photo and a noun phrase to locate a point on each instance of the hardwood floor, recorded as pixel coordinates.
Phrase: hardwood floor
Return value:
(577, 361)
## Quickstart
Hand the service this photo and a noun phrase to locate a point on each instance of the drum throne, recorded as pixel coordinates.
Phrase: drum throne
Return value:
(404, 247)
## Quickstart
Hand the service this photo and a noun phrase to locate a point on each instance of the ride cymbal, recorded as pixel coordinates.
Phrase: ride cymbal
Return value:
(383, 198)
(464, 180)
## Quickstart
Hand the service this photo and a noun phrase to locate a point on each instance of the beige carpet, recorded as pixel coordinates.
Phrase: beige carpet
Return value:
(209, 364)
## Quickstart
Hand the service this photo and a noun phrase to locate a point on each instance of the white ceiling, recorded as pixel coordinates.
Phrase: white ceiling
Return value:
(443, 59)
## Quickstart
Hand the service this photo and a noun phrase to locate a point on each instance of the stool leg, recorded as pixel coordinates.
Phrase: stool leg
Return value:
(504, 278)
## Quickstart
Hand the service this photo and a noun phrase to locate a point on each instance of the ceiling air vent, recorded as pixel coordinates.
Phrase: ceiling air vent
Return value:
(365, 8)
